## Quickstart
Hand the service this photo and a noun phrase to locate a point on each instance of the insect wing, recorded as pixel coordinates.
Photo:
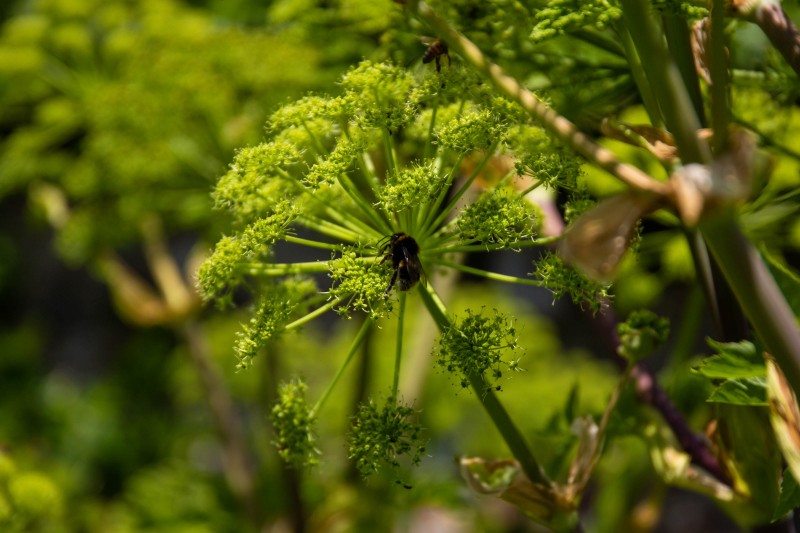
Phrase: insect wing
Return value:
(413, 268)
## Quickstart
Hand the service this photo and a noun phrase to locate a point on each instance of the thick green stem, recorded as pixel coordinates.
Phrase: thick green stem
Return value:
(756, 290)
(666, 81)
(639, 77)
(718, 69)
(511, 434)
(705, 277)
(679, 39)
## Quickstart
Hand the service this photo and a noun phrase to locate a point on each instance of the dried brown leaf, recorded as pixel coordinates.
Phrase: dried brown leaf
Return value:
(597, 241)
(784, 414)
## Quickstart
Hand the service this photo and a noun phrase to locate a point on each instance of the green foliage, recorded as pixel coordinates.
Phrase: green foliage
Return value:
(742, 391)
(742, 370)
(733, 360)
(113, 106)
(29, 501)
(116, 113)
(790, 496)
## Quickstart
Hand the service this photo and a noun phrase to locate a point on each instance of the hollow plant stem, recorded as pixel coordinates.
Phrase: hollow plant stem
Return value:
(502, 421)
(665, 80)
(756, 290)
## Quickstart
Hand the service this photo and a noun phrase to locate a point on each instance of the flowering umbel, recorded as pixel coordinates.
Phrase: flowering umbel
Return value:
(431, 159)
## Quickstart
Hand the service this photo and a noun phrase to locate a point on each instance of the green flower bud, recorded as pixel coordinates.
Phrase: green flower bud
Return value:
(382, 436)
(293, 423)
(642, 334)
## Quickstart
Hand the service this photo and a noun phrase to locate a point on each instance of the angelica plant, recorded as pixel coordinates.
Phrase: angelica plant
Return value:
(432, 156)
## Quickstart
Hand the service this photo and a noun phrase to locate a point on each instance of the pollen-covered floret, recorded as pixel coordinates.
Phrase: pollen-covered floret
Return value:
(500, 216)
(298, 113)
(537, 155)
(377, 95)
(477, 129)
(361, 283)
(254, 183)
(339, 161)
(411, 186)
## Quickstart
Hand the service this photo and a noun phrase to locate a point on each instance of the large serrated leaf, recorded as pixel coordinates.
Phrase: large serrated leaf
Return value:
(790, 496)
(787, 280)
(735, 360)
(749, 391)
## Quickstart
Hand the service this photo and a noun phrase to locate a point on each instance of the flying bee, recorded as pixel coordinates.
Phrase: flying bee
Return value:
(402, 249)
(436, 49)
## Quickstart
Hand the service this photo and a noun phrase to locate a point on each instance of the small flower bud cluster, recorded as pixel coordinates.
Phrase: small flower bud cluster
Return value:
(382, 435)
(563, 16)
(361, 283)
(273, 311)
(219, 273)
(476, 346)
(642, 334)
(500, 216)
(293, 423)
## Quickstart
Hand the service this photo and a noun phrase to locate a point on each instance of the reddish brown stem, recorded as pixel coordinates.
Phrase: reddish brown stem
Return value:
(781, 31)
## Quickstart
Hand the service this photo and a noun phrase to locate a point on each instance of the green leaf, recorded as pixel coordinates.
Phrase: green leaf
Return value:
(735, 360)
(749, 447)
(787, 280)
(790, 496)
(748, 391)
